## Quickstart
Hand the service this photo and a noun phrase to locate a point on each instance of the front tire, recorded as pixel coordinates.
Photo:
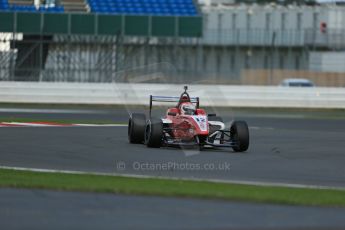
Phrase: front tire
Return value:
(239, 133)
(136, 128)
(154, 133)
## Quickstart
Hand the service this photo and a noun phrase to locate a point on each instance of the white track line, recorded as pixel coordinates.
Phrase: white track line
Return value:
(242, 182)
(65, 111)
(102, 125)
(28, 124)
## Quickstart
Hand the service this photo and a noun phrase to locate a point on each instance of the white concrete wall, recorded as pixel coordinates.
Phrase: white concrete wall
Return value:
(327, 61)
(138, 94)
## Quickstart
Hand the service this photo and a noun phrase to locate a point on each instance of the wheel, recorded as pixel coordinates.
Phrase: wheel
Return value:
(202, 141)
(153, 133)
(239, 133)
(215, 118)
(136, 128)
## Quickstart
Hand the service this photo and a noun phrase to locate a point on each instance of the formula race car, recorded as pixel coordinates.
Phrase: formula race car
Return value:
(186, 125)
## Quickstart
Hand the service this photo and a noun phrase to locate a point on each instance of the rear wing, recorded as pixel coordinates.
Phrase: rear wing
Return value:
(171, 99)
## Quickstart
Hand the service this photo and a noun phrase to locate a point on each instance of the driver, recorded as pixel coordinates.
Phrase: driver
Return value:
(187, 108)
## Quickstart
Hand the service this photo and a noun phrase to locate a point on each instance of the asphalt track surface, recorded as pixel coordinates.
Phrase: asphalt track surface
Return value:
(284, 149)
(27, 209)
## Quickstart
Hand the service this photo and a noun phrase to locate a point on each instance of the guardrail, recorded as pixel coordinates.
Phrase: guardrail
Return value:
(138, 94)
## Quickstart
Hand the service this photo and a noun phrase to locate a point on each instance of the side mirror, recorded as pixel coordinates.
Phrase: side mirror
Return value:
(211, 115)
(171, 114)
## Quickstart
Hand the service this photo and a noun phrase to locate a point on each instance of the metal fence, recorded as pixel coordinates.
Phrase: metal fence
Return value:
(74, 58)
(330, 38)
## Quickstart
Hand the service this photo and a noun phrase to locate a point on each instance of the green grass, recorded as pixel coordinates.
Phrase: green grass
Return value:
(171, 188)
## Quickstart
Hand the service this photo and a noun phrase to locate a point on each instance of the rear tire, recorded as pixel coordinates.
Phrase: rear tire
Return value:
(154, 133)
(136, 128)
(239, 132)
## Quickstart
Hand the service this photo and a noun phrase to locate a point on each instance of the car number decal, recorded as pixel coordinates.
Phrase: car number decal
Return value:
(201, 121)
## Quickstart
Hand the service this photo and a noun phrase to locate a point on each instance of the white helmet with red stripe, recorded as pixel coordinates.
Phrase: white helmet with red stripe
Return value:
(187, 108)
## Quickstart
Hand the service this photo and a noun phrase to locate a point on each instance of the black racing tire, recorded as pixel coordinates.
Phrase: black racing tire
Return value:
(215, 118)
(239, 132)
(202, 139)
(202, 142)
(136, 128)
(154, 133)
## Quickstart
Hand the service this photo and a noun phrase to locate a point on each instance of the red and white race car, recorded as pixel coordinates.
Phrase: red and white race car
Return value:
(186, 125)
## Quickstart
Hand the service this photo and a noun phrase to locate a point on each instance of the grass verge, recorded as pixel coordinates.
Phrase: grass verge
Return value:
(171, 188)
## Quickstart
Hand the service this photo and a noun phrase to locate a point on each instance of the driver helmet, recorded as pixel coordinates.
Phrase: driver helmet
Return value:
(187, 108)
